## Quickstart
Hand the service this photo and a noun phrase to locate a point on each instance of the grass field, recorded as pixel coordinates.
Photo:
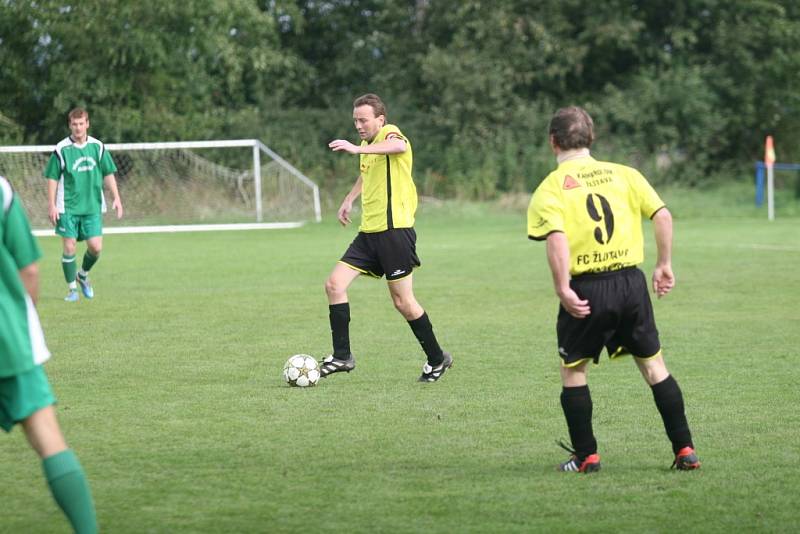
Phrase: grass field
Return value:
(170, 389)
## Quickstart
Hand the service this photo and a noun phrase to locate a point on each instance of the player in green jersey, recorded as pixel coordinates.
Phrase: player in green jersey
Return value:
(590, 214)
(25, 395)
(386, 241)
(76, 172)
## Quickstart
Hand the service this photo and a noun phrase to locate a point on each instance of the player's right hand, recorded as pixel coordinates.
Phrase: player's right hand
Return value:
(53, 215)
(344, 213)
(575, 306)
(117, 206)
(342, 145)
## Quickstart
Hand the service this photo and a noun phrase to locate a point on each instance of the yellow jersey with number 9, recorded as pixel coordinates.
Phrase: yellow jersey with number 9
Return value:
(388, 193)
(599, 206)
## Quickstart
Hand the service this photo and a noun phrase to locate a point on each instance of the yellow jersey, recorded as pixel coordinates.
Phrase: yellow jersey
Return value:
(599, 206)
(388, 193)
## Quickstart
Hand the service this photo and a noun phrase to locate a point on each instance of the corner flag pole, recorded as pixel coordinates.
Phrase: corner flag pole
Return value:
(769, 161)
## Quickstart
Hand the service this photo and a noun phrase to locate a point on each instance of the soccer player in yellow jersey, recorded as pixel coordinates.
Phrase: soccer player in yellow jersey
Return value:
(589, 212)
(386, 241)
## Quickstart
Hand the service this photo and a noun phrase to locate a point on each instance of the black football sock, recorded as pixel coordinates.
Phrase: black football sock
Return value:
(340, 329)
(423, 330)
(669, 401)
(577, 405)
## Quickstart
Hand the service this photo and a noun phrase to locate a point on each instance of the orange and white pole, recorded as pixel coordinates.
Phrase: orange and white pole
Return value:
(769, 161)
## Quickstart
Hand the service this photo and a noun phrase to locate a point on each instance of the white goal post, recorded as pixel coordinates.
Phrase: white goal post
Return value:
(183, 186)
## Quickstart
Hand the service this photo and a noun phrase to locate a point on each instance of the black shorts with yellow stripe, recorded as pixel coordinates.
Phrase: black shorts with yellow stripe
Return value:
(392, 253)
(621, 319)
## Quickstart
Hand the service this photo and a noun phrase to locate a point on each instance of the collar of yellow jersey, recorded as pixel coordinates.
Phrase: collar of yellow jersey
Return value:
(576, 153)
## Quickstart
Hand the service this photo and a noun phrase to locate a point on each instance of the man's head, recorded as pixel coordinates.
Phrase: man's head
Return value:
(369, 115)
(571, 128)
(79, 124)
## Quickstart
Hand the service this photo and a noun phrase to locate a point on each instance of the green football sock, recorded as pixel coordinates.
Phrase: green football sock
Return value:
(71, 490)
(70, 267)
(88, 261)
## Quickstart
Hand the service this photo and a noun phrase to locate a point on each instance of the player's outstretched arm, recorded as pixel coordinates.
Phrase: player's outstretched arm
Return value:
(342, 145)
(558, 258)
(116, 204)
(663, 278)
(391, 145)
(387, 146)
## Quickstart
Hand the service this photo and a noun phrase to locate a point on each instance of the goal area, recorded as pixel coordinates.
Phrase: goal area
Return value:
(182, 186)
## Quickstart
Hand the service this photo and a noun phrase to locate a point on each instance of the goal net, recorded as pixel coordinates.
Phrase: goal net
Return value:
(183, 186)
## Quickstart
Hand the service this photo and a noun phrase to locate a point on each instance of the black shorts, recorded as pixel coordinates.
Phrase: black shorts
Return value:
(392, 253)
(622, 318)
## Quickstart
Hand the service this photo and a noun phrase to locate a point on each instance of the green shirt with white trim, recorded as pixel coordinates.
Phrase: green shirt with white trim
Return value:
(22, 345)
(79, 170)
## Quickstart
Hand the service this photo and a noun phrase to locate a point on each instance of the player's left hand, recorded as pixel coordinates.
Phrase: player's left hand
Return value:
(663, 280)
(340, 145)
(117, 206)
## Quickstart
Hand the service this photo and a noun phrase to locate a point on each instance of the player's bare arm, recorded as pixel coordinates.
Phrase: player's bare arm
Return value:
(663, 278)
(387, 146)
(347, 204)
(558, 258)
(116, 204)
(30, 280)
(52, 210)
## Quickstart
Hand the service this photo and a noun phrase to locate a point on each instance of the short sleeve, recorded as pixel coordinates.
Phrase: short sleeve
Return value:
(17, 236)
(107, 163)
(545, 211)
(393, 132)
(649, 201)
(53, 169)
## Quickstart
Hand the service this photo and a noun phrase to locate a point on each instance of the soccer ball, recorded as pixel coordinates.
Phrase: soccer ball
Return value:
(301, 370)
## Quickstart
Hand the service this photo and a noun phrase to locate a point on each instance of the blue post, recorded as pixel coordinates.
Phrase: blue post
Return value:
(759, 183)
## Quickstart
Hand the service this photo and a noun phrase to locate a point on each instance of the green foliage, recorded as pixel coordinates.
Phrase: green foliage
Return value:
(10, 131)
(146, 71)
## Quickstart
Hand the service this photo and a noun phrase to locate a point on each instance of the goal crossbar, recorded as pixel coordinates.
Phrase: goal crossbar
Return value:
(258, 148)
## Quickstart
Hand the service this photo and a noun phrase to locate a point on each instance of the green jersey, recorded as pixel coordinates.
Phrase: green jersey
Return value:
(22, 343)
(79, 170)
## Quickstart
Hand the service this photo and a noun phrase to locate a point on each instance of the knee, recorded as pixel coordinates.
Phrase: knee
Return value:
(43, 432)
(332, 287)
(398, 302)
(653, 370)
(94, 246)
(406, 306)
(69, 248)
(572, 377)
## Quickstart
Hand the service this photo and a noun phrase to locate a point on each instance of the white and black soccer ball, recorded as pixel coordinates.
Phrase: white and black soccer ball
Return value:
(301, 370)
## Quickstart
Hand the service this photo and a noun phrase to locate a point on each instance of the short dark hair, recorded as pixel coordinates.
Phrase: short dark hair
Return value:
(572, 128)
(78, 113)
(373, 101)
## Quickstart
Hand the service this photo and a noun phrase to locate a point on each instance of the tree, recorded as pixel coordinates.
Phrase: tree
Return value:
(149, 70)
